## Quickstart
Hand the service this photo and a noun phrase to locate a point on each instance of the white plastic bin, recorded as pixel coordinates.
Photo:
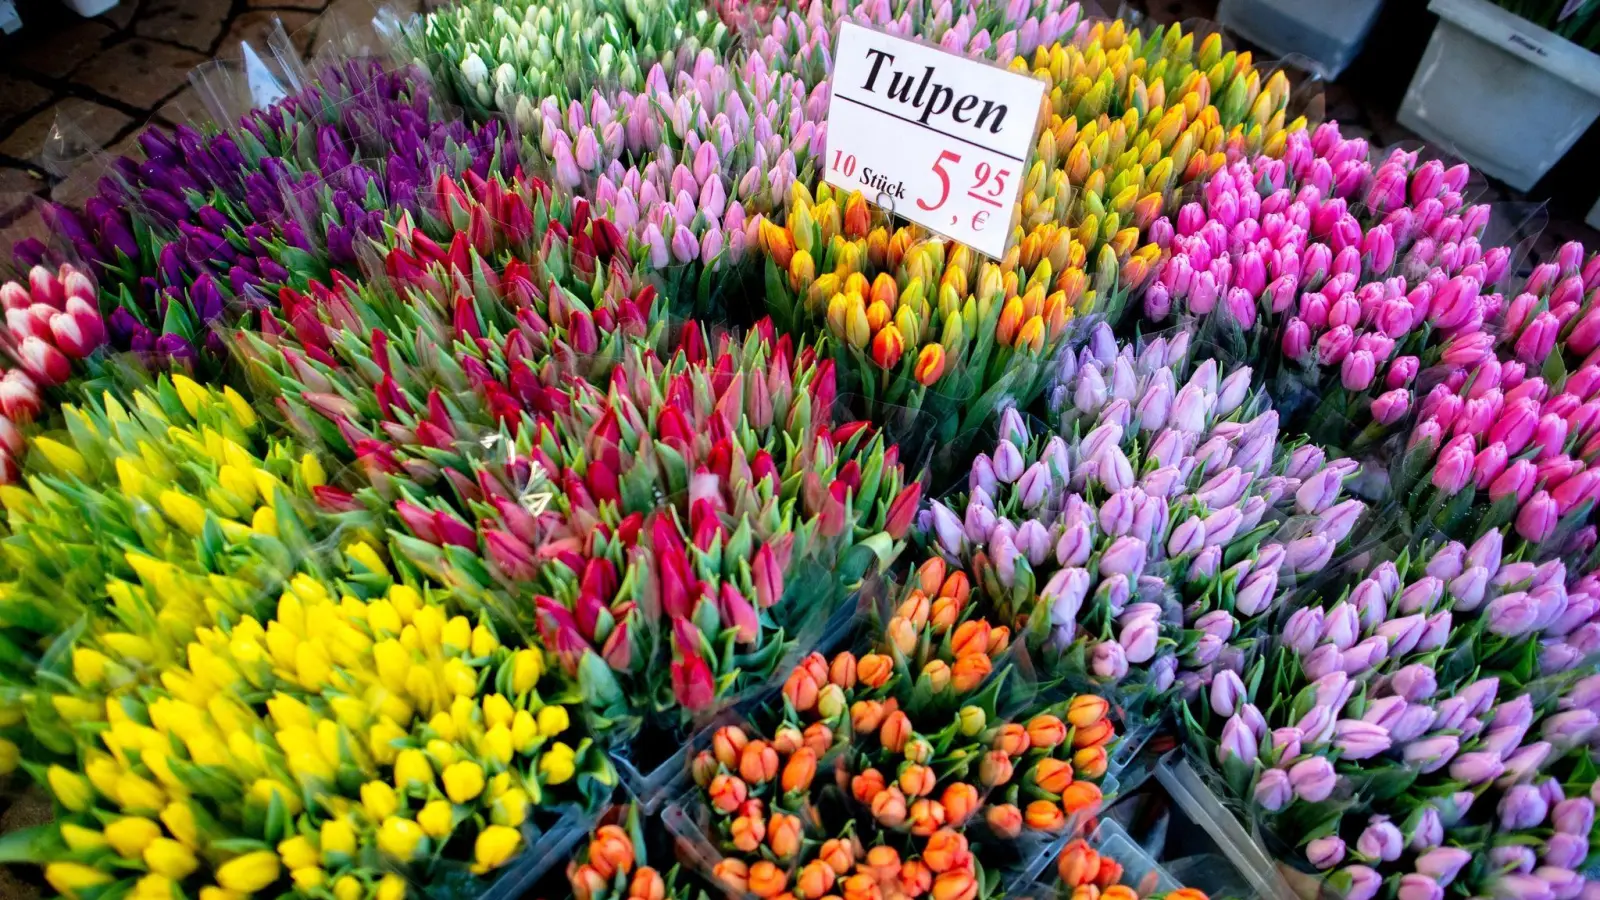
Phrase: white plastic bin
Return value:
(1325, 35)
(1593, 219)
(1509, 97)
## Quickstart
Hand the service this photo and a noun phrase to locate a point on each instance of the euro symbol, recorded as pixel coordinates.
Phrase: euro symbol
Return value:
(978, 218)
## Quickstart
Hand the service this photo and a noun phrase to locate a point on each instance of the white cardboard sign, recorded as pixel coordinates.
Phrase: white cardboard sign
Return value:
(936, 138)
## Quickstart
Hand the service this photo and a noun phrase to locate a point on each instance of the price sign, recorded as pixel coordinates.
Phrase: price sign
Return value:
(937, 138)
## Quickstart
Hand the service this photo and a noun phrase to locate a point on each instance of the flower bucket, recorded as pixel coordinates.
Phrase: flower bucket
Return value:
(1315, 35)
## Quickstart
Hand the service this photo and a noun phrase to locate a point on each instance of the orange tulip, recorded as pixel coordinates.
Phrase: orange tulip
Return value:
(1079, 864)
(1110, 873)
(1086, 892)
(801, 690)
(995, 769)
(887, 345)
(1118, 891)
(914, 609)
(1046, 731)
(970, 671)
(957, 587)
(867, 786)
(927, 816)
(999, 639)
(611, 851)
(1094, 735)
(1090, 762)
(903, 635)
(1052, 775)
(1031, 335)
(937, 672)
(799, 770)
(727, 743)
(733, 873)
(758, 763)
(882, 863)
(916, 780)
(704, 768)
(838, 854)
(918, 750)
(895, 731)
(1087, 709)
(819, 738)
(1081, 796)
(1187, 894)
(647, 884)
(586, 882)
(1013, 739)
(861, 887)
(816, 665)
(748, 833)
(857, 218)
(727, 793)
(777, 243)
(946, 851)
(889, 807)
(960, 800)
(866, 716)
(874, 669)
(946, 610)
(1004, 820)
(842, 671)
(1042, 815)
(956, 885)
(971, 637)
(930, 575)
(915, 878)
(930, 365)
(783, 835)
(815, 880)
(767, 880)
(788, 739)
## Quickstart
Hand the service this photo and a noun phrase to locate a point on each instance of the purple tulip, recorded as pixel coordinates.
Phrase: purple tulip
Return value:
(1564, 883)
(1421, 595)
(1566, 851)
(1303, 629)
(1432, 754)
(1513, 858)
(1574, 816)
(1313, 779)
(1525, 762)
(1227, 692)
(1237, 741)
(1358, 740)
(1427, 831)
(1325, 852)
(1522, 807)
(1362, 883)
(1139, 640)
(1272, 790)
(1413, 721)
(1443, 864)
(1414, 682)
(1423, 885)
(1108, 660)
(1381, 840)
(1476, 768)
(1008, 462)
(1520, 887)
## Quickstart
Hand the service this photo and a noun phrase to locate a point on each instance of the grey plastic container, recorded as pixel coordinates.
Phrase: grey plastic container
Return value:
(1322, 36)
(1189, 791)
(1507, 96)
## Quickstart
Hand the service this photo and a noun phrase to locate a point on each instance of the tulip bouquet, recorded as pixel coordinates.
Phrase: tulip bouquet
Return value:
(804, 37)
(1347, 283)
(1169, 574)
(213, 223)
(53, 326)
(1500, 448)
(1086, 874)
(681, 167)
(933, 328)
(505, 57)
(1556, 309)
(1400, 704)
(614, 864)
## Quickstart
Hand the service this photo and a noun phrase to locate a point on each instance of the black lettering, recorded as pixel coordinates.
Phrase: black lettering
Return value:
(927, 75)
(934, 108)
(905, 92)
(989, 106)
(965, 104)
(880, 57)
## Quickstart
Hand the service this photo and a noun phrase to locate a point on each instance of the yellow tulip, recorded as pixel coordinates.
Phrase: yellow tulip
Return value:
(154, 886)
(392, 887)
(70, 878)
(184, 511)
(62, 458)
(437, 818)
(190, 394)
(298, 852)
(171, 858)
(497, 746)
(510, 808)
(79, 838)
(463, 781)
(400, 838)
(10, 756)
(526, 667)
(378, 798)
(179, 819)
(494, 846)
(348, 887)
(249, 873)
(130, 835)
(558, 764)
(497, 711)
(553, 720)
(243, 415)
(524, 731)
(483, 641)
(338, 838)
(72, 791)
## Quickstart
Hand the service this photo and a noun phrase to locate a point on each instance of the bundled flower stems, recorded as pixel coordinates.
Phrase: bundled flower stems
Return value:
(502, 465)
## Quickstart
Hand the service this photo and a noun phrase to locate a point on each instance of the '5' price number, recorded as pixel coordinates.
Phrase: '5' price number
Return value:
(988, 186)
